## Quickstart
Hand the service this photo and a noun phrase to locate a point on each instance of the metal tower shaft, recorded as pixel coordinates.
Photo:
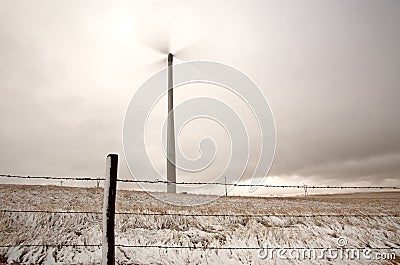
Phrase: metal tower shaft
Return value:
(171, 169)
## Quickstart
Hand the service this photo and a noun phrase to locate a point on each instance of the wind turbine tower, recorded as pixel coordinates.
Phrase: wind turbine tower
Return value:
(171, 169)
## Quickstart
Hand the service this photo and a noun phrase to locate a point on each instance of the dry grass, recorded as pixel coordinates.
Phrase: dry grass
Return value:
(208, 231)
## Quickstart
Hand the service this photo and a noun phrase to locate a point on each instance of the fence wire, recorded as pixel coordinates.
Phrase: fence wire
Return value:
(52, 177)
(204, 183)
(211, 215)
(184, 247)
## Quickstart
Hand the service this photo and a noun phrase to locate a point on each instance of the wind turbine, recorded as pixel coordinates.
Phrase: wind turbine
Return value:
(164, 48)
(171, 168)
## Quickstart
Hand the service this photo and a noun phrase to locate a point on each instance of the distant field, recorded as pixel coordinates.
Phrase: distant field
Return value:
(198, 231)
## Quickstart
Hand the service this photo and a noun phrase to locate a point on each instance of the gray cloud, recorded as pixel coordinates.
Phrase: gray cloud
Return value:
(330, 71)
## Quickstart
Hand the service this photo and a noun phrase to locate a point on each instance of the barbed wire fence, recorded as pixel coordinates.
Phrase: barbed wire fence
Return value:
(210, 215)
(109, 242)
(202, 183)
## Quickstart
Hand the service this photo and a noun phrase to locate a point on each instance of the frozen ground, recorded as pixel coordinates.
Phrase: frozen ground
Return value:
(203, 232)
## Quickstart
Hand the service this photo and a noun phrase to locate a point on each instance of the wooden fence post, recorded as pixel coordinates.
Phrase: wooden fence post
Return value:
(110, 190)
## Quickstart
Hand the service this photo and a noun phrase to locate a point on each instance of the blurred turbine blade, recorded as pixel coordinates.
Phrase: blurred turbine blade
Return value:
(190, 50)
(158, 41)
(152, 67)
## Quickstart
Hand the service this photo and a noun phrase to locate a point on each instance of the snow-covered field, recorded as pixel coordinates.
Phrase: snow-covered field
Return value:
(197, 231)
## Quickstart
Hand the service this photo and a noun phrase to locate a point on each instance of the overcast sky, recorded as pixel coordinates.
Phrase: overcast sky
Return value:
(329, 69)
